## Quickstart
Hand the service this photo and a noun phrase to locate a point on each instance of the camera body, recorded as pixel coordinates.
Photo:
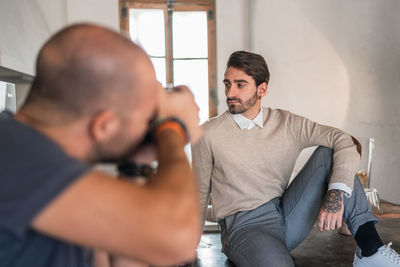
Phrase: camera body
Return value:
(134, 170)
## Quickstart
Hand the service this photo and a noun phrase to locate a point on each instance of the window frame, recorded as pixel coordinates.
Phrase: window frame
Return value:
(169, 6)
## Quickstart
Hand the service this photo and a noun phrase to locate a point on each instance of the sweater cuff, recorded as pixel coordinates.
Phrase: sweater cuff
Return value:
(344, 176)
(341, 186)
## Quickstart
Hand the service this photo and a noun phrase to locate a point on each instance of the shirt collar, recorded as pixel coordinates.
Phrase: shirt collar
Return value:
(245, 123)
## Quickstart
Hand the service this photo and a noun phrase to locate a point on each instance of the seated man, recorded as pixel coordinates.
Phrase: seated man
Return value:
(93, 99)
(245, 160)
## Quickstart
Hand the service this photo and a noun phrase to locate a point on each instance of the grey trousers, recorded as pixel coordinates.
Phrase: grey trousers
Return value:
(265, 236)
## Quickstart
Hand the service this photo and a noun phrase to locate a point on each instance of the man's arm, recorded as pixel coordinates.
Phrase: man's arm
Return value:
(346, 158)
(346, 151)
(157, 223)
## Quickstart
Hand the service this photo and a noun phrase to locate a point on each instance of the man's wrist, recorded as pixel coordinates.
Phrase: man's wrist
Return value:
(341, 192)
(169, 123)
(342, 187)
(333, 201)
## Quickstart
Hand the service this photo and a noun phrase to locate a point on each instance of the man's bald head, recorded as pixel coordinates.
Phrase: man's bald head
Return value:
(84, 69)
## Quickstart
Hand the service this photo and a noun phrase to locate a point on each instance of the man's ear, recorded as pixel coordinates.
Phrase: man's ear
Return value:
(104, 126)
(262, 89)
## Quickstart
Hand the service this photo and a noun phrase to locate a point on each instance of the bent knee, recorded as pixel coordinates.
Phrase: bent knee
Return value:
(254, 248)
(325, 151)
(324, 155)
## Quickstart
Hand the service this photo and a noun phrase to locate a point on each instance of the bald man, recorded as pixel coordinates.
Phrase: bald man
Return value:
(94, 98)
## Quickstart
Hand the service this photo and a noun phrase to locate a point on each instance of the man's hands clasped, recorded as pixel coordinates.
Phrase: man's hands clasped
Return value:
(180, 103)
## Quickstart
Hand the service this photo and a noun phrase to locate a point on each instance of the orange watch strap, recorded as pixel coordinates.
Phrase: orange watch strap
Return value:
(171, 125)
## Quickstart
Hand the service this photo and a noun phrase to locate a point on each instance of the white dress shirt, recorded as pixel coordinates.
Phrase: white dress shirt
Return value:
(245, 123)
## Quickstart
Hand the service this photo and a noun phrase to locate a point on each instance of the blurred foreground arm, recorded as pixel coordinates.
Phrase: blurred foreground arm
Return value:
(157, 223)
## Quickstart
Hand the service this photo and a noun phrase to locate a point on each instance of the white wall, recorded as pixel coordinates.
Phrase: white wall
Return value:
(232, 30)
(336, 62)
(27, 24)
(104, 12)
(23, 30)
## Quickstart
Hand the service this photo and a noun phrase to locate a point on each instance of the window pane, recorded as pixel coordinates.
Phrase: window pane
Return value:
(159, 67)
(194, 73)
(146, 27)
(190, 34)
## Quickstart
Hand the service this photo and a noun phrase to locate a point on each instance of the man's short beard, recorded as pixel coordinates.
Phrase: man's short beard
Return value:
(244, 106)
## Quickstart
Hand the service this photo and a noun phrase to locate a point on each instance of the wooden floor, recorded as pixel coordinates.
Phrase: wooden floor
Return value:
(319, 248)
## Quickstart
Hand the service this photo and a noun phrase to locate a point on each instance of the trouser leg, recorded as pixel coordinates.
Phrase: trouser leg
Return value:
(298, 210)
(302, 200)
(357, 210)
(256, 237)
(254, 247)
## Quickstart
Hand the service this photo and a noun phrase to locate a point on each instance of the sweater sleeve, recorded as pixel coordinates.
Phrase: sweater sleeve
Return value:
(346, 159)
(203, 164)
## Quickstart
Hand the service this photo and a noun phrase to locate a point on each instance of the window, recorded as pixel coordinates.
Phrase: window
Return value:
(179, 37)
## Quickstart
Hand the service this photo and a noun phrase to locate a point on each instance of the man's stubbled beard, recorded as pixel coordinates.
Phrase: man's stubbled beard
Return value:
(244, 106)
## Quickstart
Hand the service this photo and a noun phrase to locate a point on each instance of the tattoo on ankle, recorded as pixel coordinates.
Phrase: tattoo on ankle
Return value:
(333, 201)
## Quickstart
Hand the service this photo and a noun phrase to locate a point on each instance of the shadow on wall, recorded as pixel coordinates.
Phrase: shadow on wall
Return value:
(337, 63)
(366, 35)
(308, 75)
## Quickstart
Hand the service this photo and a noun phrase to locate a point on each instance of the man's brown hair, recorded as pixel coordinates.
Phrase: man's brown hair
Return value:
(252, 64)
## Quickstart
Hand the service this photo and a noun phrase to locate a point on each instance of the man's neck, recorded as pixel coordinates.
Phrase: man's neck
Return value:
(252, 112)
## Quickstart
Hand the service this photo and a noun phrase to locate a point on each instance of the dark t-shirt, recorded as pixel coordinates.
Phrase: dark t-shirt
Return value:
(33, 171)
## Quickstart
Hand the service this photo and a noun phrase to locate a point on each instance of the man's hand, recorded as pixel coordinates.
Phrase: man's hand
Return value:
(180, 103)
(144, 154)
(331, 213)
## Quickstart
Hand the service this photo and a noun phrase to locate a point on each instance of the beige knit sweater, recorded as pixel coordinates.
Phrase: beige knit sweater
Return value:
(243, 169)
